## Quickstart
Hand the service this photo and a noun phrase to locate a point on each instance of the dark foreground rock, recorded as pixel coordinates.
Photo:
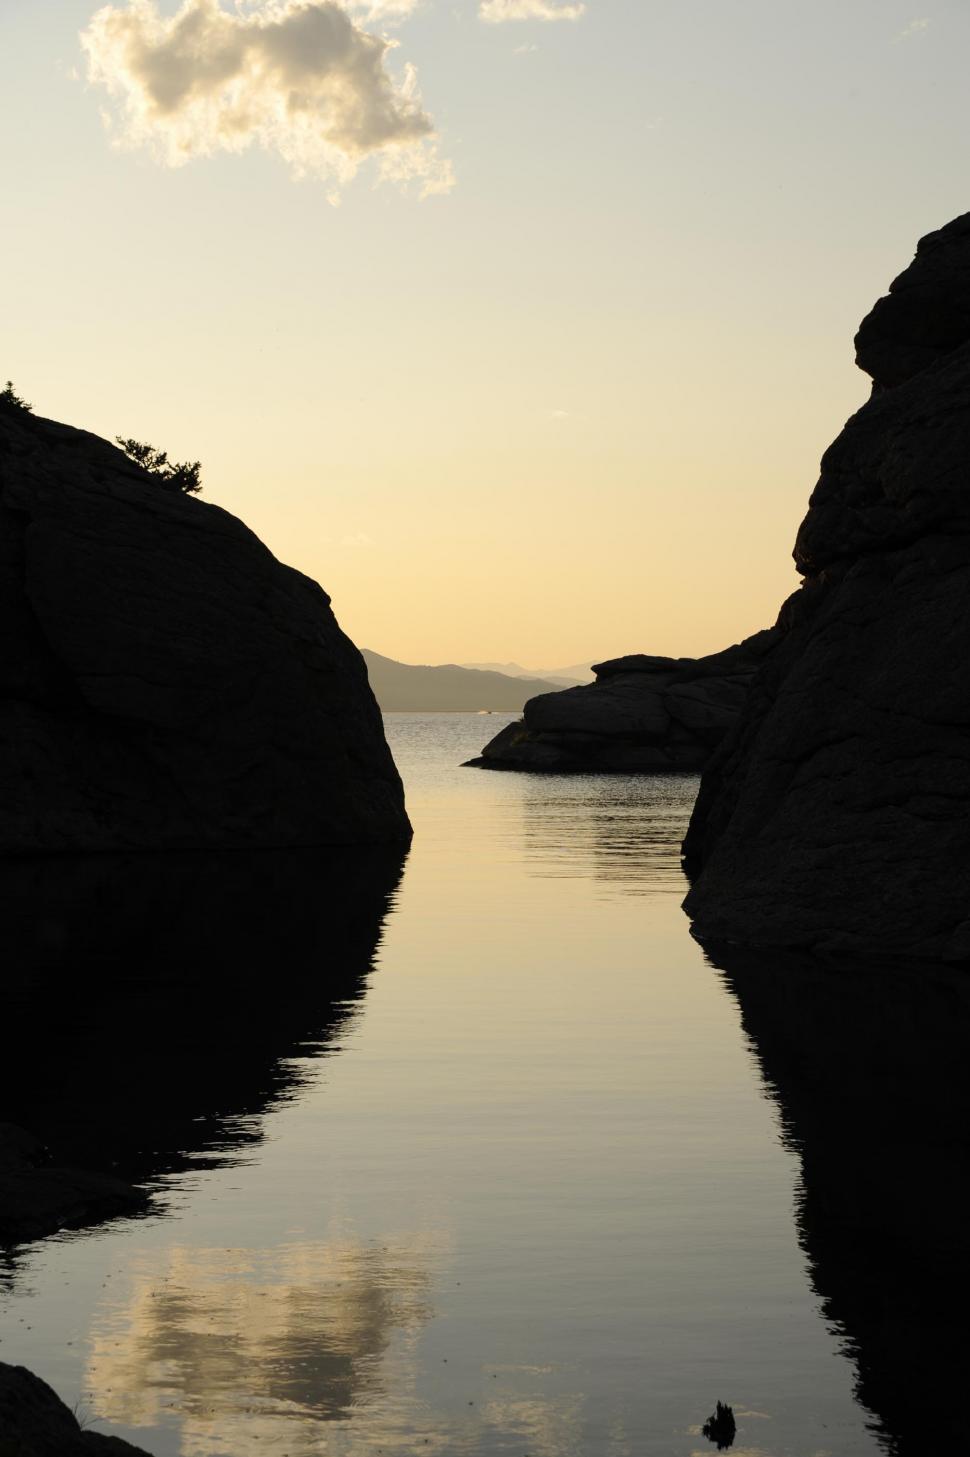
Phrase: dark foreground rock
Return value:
(642, 715)
(39, 1197)
(164, 682)
(835, 817)
(34, 1422)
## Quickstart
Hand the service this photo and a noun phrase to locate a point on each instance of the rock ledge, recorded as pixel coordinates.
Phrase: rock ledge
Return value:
(643, 714)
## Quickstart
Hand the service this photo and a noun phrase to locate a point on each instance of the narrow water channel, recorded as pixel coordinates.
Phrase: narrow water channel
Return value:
(515, 1187)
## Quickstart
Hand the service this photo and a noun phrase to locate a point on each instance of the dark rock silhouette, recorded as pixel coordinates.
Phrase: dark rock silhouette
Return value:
(835, 815)
(867, 1063)
(165, 683)
(160, 1005)
(34, 1422)
(642, 715)
(926, 313)
(721, 1427)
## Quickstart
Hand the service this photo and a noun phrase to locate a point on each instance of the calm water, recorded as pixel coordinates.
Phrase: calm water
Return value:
(522, 1192)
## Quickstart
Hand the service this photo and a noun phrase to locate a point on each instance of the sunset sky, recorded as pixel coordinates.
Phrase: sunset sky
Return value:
(520, 325)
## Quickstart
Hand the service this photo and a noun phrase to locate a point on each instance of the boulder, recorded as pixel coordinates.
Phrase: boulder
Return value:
(834, 817)
(34, 1422)
(643, 714)
(165, 683)
(926, 313)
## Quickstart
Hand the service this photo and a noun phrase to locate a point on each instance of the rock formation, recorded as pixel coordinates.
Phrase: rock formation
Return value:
(165, 683)
(642, 715)
(34, 1422)
(835, 815)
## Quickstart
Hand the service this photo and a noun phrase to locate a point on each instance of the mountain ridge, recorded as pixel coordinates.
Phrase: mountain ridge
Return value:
(446, 687)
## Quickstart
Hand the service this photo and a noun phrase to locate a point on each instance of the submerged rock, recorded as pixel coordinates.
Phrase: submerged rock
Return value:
(165, 683)
(643, 714)
(34, 1422)
(835, 816)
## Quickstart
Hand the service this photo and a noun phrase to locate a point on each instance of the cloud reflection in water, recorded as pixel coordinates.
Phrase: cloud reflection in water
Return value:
(304, 1348)
(246, 1347)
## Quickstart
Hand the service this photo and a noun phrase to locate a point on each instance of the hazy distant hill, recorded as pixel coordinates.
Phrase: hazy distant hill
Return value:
(416, 688)
(563, 677)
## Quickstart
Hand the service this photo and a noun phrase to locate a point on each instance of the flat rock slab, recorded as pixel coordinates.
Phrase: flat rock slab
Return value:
(165, 683)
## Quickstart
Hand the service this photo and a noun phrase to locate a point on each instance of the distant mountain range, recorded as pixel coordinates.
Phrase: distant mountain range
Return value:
(562, 677)
(450, 688)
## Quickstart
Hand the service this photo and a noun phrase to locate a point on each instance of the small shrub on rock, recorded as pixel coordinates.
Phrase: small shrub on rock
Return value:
(171, 475)
(10, 400)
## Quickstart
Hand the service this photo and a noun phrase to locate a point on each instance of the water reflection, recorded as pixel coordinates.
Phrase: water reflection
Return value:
(301, 1348)
(623, 830)
(162, 1004)
(869, 1069)
(250, 1347)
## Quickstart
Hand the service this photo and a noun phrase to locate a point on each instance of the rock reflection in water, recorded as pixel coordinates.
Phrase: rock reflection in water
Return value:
(163, 1003)
(624, 830)
(870, 1072)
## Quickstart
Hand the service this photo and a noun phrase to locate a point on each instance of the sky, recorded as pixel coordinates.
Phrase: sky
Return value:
(520, 325)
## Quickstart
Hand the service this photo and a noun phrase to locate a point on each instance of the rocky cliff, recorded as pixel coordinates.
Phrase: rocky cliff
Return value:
(835, 815)
(642, 715)
(165, 683)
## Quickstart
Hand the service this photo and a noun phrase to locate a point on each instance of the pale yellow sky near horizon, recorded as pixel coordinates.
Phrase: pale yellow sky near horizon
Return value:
(571, 404)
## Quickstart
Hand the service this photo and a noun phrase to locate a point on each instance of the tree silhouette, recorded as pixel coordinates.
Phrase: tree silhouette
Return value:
(172, 475)
(10, 400)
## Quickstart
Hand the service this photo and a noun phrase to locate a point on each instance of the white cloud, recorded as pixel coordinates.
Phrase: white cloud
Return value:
(914, 28)
(499, 10)
(386, 10)
(299, 78)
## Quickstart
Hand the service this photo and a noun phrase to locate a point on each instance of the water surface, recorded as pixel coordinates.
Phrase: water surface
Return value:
(519, 1189)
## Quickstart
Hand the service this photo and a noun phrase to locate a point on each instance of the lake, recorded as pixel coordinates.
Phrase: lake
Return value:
(496, 1171)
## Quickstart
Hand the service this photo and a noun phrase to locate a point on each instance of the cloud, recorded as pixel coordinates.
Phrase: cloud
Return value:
(386, 10)
(500, 10)
(301, 79)
(915, 27)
